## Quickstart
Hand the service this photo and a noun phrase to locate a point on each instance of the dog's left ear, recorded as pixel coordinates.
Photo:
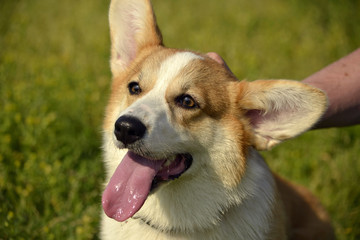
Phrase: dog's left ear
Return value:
(279, 109)
(132, 28)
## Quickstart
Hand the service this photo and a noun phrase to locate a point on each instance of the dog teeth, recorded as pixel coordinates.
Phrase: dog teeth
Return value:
(168, 162)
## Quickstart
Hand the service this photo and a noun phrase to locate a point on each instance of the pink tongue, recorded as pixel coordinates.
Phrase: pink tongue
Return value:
(129, 186)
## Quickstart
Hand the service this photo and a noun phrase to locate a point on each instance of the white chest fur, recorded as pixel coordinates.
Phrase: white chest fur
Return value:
(250, 219)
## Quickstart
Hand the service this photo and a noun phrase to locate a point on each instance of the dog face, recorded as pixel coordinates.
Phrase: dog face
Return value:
(176, 113)
(179, 127)
(172, 101)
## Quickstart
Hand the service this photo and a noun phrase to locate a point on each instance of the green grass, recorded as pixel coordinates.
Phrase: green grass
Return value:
(54, 83)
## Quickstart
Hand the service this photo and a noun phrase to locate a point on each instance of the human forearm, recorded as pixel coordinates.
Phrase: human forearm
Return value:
(341, 82)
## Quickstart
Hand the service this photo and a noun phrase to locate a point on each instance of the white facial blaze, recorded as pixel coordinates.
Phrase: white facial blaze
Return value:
(171, 67)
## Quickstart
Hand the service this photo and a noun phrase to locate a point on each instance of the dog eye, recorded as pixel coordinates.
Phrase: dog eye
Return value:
(186, 101)
(134, 88)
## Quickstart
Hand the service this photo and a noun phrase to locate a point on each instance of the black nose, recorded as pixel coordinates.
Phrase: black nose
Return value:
(129, 129)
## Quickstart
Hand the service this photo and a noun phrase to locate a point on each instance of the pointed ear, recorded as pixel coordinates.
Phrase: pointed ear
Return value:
(280, 109)
(132, 28)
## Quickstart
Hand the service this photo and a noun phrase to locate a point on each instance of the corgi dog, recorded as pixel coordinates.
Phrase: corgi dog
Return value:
(181, 135)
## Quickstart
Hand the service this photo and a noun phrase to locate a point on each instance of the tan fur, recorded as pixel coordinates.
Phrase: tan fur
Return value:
(229, 191)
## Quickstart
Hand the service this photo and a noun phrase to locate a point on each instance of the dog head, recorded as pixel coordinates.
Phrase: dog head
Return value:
(179, 126)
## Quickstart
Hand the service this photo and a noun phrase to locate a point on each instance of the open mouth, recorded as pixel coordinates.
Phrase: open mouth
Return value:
(133, 180)
(171, 170)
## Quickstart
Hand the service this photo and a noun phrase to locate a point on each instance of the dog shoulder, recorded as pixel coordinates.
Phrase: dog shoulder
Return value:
(307, 218)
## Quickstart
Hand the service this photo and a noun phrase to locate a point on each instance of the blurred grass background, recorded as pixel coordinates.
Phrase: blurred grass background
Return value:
(54, 83)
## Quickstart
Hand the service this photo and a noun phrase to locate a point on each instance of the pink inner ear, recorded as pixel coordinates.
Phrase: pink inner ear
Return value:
(131, 48)
(118, 56)
(256, 117)
(132, 30)
(128, 46)
(271, 120)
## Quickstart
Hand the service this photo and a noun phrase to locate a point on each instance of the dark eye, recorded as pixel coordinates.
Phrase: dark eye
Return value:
(186, 101)
(134, 88)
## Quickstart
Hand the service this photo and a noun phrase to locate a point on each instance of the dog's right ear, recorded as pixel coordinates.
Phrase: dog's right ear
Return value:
(132, 28)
